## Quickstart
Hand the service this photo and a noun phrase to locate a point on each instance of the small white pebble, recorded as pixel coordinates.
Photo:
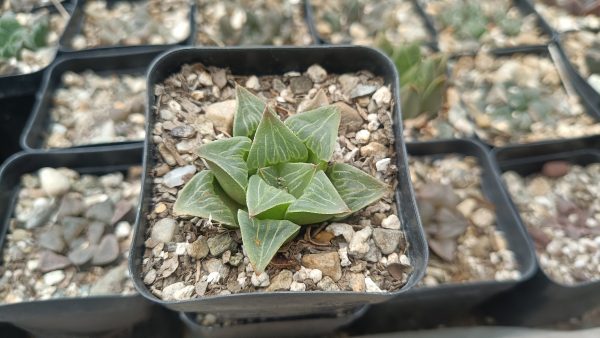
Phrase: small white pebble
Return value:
(371, 286)
(316, 275)
(391, 222)
(123, 229)
(261, 280)
(180, 248)
(363, 136)
(297, 286)
(54, 277)
(383, 164)
(213, 277)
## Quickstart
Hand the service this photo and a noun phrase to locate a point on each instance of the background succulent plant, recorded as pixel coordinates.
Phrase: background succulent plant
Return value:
(470, 19)
(273, 176)
(422, 79)
(14, 37)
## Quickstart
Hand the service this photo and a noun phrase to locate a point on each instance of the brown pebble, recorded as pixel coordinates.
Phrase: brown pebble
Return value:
(556, 168)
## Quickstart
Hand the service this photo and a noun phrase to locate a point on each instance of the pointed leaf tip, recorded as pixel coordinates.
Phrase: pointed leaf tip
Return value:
(263, 238)
(274, 143)
(266, 201)
(202, 197)
(226, 159)
(319, 202)
(357, 188)
(248, 112)
(318, 129)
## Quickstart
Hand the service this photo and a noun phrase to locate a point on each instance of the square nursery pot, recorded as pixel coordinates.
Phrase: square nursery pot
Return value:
(75, 26)
(25, 84)
(80, 315)
(429, 307)
(279, 60)
(525, 8)
(198, 23)
(13, 116)
(427, 23)
(590, 98)
(541, 300)
(555, 55)
(120, 62)
(318, 325)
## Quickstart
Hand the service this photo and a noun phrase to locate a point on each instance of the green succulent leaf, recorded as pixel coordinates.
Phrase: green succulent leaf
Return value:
(262, 238)
(410, 99)
(357, 188)
(319, 202)
(433, 96)
(14, 37)
(248, 112)
(266, 201)
(202, 197)
(274, 143)
(226, 159)
(406, 58)
(318, 129)
(292, 177)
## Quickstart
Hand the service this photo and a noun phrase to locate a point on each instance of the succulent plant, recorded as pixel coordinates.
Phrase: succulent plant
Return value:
(470, 20)
(14, 37)
(422, 80)
(273, 176)
(520, 106)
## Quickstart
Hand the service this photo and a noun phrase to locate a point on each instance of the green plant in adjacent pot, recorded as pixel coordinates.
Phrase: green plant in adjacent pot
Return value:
(273, 176)
(422, 79)
(14, 37)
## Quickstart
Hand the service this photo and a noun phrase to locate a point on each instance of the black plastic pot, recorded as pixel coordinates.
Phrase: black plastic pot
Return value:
(542, 301)
(75, 25)
(524, 7)
(312, 24)
(13, 116)
(279, 60)
(308, 326)
(544, 51)
(589, 96)
(428, 307)
(314, 38)
(26, 84)
(69, 316)
(102, 62)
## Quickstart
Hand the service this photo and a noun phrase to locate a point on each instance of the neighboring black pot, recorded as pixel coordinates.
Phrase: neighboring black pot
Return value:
(279, 60)
(69, 316)
(589, 96)
(132, 61)
(429, 307)
(542, 301)
(312, 24)
(317, 325)
(314, 38)
(13, 116)
(25, 84)
(544, 51)
(524, 7)
(75, 25)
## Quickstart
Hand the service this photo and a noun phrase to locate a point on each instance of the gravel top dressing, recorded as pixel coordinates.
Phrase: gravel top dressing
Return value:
(519, 99)
(467, 25)
(191, 257)
(245, 22)
(460, 223)
(31, 40)
(89, 108)
(363, 22)
(561, 210)
(152, 22)
(69, 236)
